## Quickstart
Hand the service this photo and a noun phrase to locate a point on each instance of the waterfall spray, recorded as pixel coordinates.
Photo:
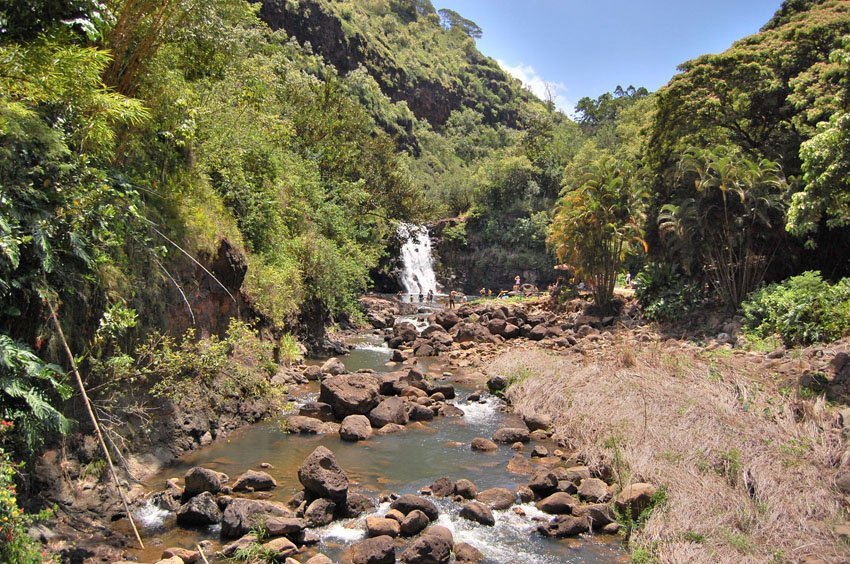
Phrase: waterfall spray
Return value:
(418, 274)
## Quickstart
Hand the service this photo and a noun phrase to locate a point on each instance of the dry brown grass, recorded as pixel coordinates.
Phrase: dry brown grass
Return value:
(745, 467)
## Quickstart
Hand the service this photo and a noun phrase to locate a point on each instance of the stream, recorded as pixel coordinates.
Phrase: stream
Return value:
(403, 463)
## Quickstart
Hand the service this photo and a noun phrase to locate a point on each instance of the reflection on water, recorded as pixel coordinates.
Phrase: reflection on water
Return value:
(402, 463)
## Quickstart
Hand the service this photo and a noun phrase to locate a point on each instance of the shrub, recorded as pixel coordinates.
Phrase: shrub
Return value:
(802, 310)
(664, 294)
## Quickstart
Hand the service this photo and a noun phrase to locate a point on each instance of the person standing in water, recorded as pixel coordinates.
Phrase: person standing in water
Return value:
(430, 297)
(452, 299)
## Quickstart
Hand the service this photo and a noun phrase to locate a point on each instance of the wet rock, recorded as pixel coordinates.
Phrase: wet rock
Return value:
(405, 331)
(414, 523)
(448, 410)
(396, 514)
(390, 410)
(320, 513)
(559, 503)
(199, 511)
(564, 526)
(443, 487)
(600, 515)
(543, 482)
(635, 498)
(478, 512)
(420, 413)
(524, 494)
(413, 392)
(377, 550)
(409, 502)
(467, 554)
(483, 445)
(284, 526)
(510, 435)
(242, 515)
(539, 451)
(333, 367)
(322, 476)
(497, 498)
(356, 504)
(393, 383)
(567, 487)
(537, 422)
(594, 490)
(330, 428)
(304, 425)
(253, 480)
(198, 480)
(184, 554)
(539, 435)
(355, 428)
(350, 394)
(428, 549)
(520, 465)
(280, 547)
(380, 526)
(517, 446)
(390, 429)
(466, 489)
(317, 410)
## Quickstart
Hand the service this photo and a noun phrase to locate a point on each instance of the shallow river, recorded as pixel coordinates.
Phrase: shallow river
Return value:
(402, 463)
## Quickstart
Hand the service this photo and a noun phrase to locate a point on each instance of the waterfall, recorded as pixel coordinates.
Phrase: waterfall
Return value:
(418, 273)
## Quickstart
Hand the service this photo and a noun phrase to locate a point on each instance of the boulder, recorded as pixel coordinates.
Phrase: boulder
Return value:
(576, 474)
(319, 559)
(537, 422)
(559, 503)
(543, 482)
(446, 319)
(593, 490)
(465, 489)
(497, 326)
(254, 480)
(301, 425)
(381, 526)
(483, 445)
(510, 331)
(199, 511)
(317, 410)
(467, 554)
(284, 526)
(420, 413)
(473, 333)
(320, 513)
(510, 435)
(377, 550)
(322, 476)
(393, 383)
(600, 515)
(409, 502)
(524, 494)
(443, 487)
(428, 549)
(198, 480)
(635, 498)
(478, 512)
(280, 548)
(414, 523)
(497, 498)
(442, 532)
(564, 526)
(406, 331)
(497, 384)
(448, 410)
(350, 394)
(333, 367)
(539, 451)
(355, 428)
(356, 504)
(242, 515)
(230, 549)
(538, 332)
(390, 410)
(390, 429)
(184, 554)
(313, 373)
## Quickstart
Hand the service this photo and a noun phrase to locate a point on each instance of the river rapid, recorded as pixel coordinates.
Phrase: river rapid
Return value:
(401, 463)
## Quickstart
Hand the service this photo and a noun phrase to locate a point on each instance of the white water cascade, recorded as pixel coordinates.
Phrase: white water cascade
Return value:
(418, 273)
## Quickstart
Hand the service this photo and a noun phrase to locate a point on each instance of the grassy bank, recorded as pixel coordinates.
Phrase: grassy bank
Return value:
(748, 465)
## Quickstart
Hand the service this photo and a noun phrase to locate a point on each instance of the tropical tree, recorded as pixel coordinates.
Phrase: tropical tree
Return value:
(723, 222)
(598, 220)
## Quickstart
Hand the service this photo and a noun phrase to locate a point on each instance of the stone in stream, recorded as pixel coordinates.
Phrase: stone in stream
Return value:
(520, 465)
(390, 410)
(242, 515)
(559, 503)
(600, 515)
(465, 488)
(594, 490)
(320, 513)
(395, 514)
(539, 451)
(377, 550)
(635, 498)
(356, 504)
(510, 435)
(321, 475)
(333, 367)
(280, 548)
(446, 319)
(428, 549)
(543, 482)
(350, 394)
(199, 511)
(478, 512)
(497, 384)
(301, 425)
(467, 554)
(539, 435)
(319, 559)
(449, 410)
(390, 429)
(483, 445)
(198, 480)
(317, 410)
(355, 428)
(184, 554)
(564, 526)
(380, 526)
(254, 480)
(524, 494)
(408, 502)
(284, 526)
(406, 331)
(393, 383)
(443, 487)
(420, 413)
(497, 498)
(537, 422)
(414, 523)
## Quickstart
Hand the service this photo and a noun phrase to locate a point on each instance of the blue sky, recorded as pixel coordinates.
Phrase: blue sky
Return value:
(588, 47)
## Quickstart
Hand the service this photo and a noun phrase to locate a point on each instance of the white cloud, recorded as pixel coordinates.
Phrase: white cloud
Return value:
(538, 85)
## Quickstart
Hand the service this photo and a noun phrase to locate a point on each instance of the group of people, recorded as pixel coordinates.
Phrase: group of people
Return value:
(423, 298)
